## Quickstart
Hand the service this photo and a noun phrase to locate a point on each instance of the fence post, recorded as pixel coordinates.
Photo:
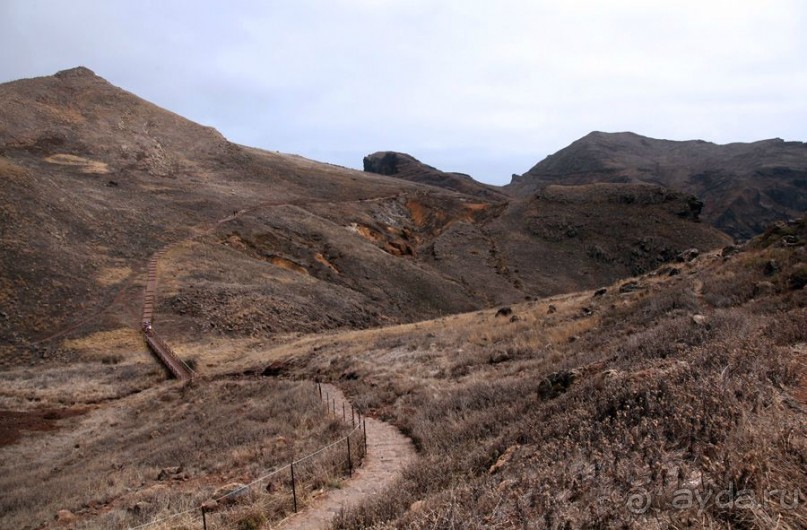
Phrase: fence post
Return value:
(352, 416)
(344, 417)
(293, 488)
(349, 458)
(204, 518)
(319, 387)
(364, 428)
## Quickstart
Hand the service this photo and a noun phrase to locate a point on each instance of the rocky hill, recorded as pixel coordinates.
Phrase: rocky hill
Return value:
(257, 243)
(744, 186)
(407, 167)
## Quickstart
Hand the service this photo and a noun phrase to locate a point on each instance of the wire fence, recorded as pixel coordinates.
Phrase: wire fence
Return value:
(281, 491)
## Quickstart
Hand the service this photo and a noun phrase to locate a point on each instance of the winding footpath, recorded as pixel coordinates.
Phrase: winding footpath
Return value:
(388, 450)
(388, 453)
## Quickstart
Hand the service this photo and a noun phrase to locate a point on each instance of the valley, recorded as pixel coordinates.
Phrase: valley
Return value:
(572, 350)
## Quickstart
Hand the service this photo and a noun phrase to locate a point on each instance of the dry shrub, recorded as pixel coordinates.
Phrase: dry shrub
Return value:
(659, 402)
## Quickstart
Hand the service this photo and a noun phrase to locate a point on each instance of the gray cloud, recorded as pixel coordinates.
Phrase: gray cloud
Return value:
(486, 88)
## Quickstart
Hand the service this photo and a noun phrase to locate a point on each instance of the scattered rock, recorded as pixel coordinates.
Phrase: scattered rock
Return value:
(729, 250)
(504, 459)
(600, 292)
(499, 357)
(417, 506)
(551, 309)
(275, 369)
(556, 383)
(169, 472)
(790, 241)
(515, 318)
(574, 338)
(65, 517)
(112, 184)
(587, 311)
(504, 312)
(798, 278)
(629, 287)
(140, 507)
(505, 485)
(349, 375)
(230, 493)
(699, 320)
(688, 255)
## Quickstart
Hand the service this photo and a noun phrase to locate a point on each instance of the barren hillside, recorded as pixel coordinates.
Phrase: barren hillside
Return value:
(613, 408)
(744, 186)
(96, 180)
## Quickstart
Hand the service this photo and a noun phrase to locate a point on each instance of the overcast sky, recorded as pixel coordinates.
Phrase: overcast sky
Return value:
(487, 88)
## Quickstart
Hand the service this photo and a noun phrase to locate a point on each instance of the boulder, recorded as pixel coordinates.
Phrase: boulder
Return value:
(629, 287)
(231, 493)
(140, 507)
(504, 312)
(556, 383)
(771, 267)
(65, 517)
(168, 472)
(417, 506)
(688, 255)
(504, 459)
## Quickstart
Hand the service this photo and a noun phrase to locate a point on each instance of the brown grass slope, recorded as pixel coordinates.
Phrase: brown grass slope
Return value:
(164, 451)
(745, 186)
(96, 180)
(675, 399)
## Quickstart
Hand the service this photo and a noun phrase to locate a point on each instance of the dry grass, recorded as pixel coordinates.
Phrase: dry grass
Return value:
(551, 419)
(105, 466)
(86, 165)
(112, 275)
(111, 346)
(593, 401)
(78, 384)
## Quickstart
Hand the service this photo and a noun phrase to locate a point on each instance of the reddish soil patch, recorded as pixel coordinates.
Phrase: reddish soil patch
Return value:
(13, 422)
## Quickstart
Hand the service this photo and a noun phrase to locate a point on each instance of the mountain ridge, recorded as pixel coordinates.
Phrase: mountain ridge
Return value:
(744, 186)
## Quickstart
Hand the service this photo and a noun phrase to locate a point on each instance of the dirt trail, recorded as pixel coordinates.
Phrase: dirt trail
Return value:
(388, 452)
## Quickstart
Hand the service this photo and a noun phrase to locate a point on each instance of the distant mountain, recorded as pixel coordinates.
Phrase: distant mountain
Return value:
(744, 186)
(96, 180)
